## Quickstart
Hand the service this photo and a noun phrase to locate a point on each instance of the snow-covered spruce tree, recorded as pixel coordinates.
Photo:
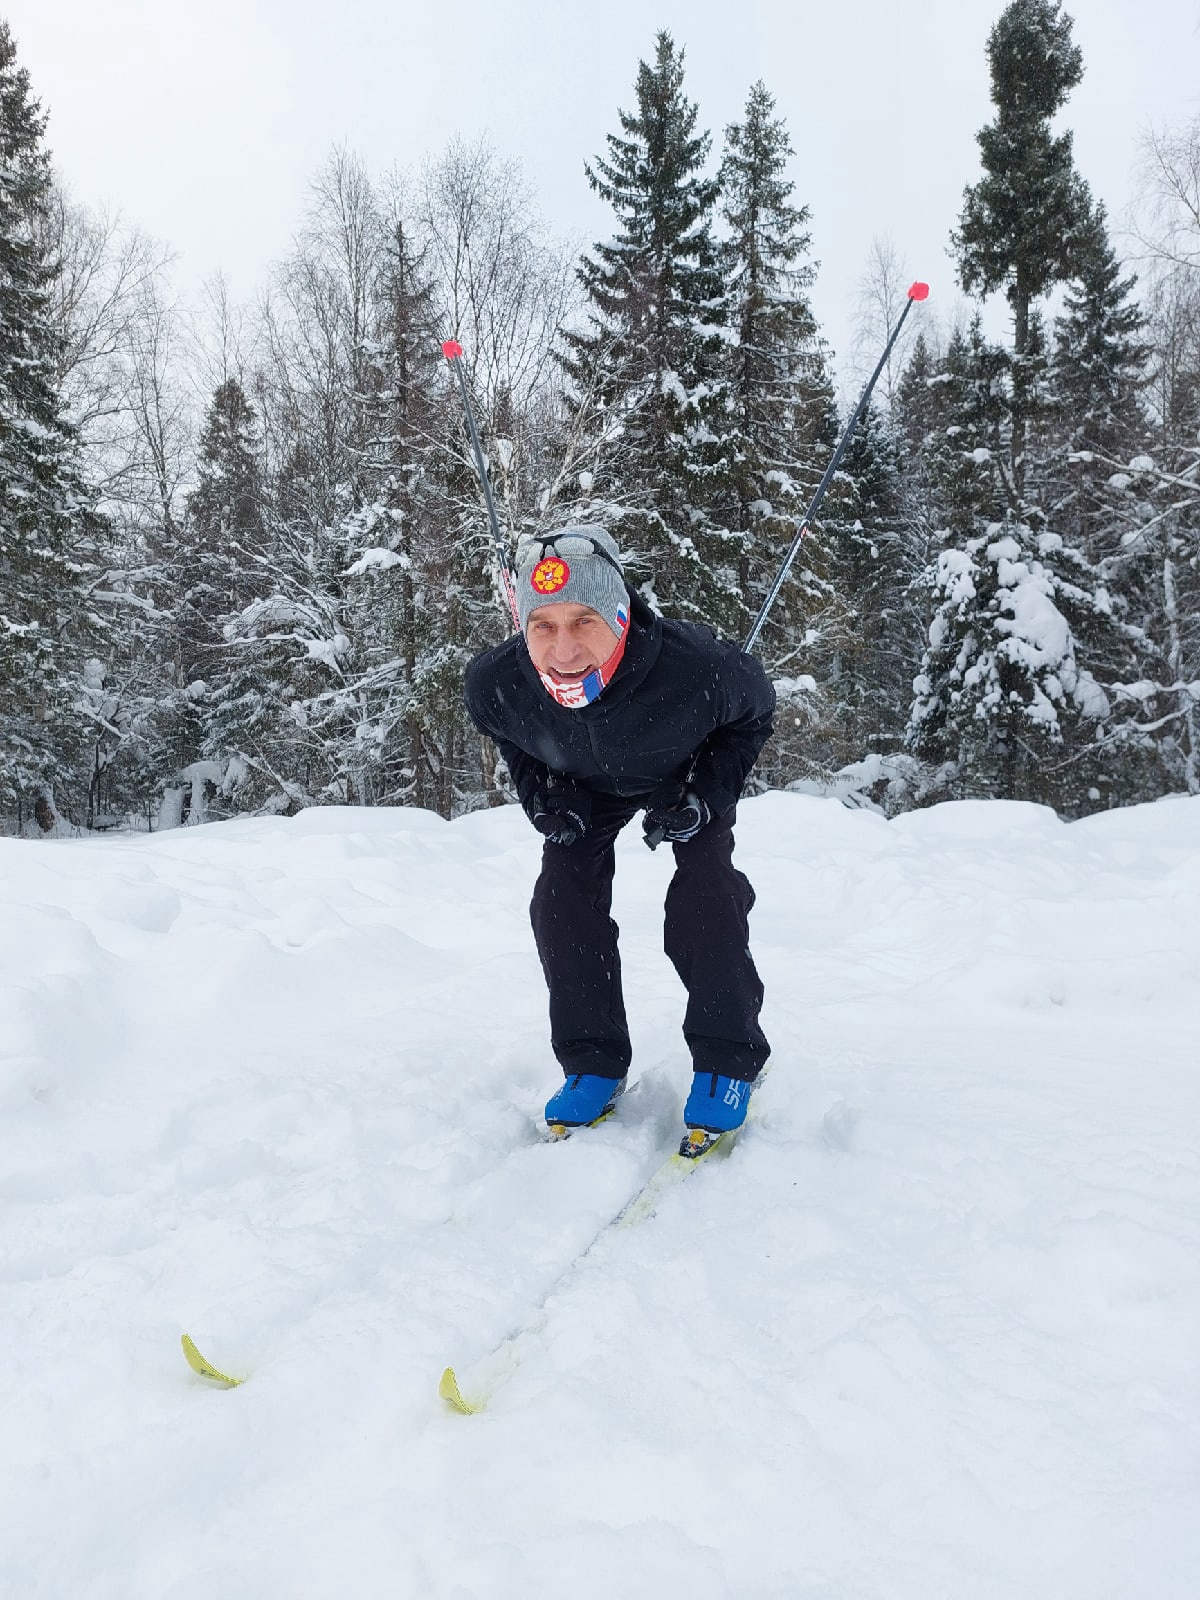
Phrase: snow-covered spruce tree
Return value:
(1004, 703)
(1094, 423)
(1024, 224)
(1095, 420)
(942, 414)
(48, 528)
(915, 406)
(933, 395)
(1003, 693)
(949, 420)
(964, 414)
(1099, 365)
(780, 395)
(918, 422)
(869, 657)
(221, 564)
(224, 536)
(1007, 694)
(107, 303)
(650, 367)
(402, 559)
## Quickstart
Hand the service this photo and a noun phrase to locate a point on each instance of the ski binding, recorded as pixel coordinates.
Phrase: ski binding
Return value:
(558, 1131)
(697, 1142)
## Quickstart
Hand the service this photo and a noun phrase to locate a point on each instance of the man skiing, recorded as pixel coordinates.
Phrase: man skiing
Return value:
(601, 710)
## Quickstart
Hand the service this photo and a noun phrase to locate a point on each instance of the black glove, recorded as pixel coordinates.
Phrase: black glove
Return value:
(561, 813)
(678, 821)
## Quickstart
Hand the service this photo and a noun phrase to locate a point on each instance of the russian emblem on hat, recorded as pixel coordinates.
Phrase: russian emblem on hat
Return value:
(550, 575)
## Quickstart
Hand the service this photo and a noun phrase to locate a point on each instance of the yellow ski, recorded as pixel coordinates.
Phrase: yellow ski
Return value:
(699, 1148)
(507, 1356)
(450, 1392)
(205, 1368)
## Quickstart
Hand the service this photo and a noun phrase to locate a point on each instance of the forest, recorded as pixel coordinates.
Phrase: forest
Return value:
(244, 556)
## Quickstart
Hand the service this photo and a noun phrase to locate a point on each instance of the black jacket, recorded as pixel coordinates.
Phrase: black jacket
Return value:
(680, 694)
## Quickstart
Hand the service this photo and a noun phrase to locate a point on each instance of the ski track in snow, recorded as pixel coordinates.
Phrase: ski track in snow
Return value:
(929, 1331)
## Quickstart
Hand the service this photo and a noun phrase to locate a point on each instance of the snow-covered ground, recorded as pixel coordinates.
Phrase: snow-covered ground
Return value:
(931, 1330)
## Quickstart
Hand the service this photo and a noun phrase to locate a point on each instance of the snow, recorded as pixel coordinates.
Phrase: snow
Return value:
(671, 384)
(376, 560)
(327, 651)
(929, 1332)
(1038, 631)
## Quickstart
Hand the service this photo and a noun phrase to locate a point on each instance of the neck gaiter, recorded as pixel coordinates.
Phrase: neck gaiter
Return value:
(576, 692)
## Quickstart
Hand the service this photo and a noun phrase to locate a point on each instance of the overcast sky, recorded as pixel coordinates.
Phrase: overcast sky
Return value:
(204, 123)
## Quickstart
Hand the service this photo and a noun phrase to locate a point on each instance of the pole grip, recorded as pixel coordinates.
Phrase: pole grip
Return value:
(655, 837)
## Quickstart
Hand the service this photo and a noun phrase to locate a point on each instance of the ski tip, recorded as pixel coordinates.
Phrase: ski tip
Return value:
(449, 1391)
(919, 291)
(205, 1369)
(451, 349)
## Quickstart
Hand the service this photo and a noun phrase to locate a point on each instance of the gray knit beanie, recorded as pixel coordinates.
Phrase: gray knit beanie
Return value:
(576, 564)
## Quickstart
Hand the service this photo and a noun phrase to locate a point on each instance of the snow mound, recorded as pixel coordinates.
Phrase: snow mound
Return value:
(929, 1330)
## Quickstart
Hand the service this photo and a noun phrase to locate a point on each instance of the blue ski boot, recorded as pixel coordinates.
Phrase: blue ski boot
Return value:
(585, 1098)
(716, 1106)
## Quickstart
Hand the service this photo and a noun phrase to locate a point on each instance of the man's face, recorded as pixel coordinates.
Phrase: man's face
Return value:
(569, 640)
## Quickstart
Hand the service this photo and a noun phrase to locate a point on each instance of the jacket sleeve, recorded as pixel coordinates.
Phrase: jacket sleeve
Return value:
(528, 774)
(723, 762)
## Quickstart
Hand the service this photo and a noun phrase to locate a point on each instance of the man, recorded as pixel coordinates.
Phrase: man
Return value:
(602, 709)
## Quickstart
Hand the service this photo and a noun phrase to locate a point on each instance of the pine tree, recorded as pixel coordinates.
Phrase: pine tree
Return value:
(1003, 693)
(872, 565)
(402, 558)
(967, 440)
(916, 407)
(221, 565)
(1006, 701)
(919, 419)
(223, 534)
(1099, 367)
(1023, 224)
(47, 526)
(783, 413)
(1095, 421)
(650, 368)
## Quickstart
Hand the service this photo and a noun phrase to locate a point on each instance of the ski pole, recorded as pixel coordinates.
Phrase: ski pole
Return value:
(453, 351)
(919, 291)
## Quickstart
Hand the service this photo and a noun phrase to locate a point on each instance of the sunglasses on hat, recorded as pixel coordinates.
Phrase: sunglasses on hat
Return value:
(574, 544)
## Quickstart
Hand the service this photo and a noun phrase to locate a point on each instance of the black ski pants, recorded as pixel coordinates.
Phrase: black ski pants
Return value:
(706, 935)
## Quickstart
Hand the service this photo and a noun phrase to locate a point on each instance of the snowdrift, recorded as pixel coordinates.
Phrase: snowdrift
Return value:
(930, 1330)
